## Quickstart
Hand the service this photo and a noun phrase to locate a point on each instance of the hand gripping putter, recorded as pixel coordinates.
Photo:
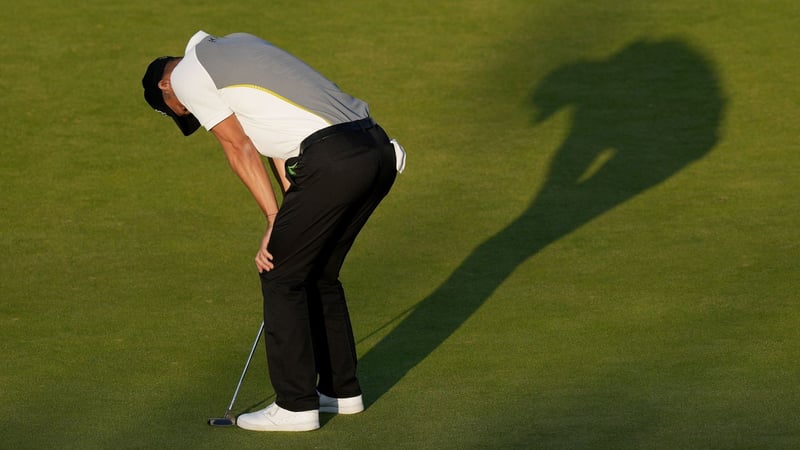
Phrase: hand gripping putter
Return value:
(228, 420)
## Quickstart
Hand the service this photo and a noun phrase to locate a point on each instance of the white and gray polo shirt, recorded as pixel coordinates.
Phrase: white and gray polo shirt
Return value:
(278, 99)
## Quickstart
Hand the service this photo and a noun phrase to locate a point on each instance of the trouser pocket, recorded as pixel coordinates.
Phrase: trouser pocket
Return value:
(293, 167)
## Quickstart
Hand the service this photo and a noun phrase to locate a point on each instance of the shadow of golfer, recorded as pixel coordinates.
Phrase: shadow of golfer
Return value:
(640, 116)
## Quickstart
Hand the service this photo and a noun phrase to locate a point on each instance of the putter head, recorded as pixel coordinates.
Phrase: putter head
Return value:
(227, 421)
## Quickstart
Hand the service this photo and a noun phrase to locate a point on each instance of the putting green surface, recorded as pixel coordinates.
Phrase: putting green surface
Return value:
(594, 244)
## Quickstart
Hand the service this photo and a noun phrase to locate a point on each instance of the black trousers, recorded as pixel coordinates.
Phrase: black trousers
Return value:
(337, 184)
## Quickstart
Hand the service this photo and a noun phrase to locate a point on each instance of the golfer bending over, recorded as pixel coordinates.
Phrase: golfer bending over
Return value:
(335, 165)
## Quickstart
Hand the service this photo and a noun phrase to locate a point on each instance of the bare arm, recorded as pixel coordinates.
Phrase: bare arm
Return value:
(247, 164)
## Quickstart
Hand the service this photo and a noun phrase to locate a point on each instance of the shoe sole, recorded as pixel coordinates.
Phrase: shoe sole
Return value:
(310, 426)
(341, 409)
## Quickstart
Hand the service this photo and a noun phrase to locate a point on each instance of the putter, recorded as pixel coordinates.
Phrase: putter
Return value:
(228, 420)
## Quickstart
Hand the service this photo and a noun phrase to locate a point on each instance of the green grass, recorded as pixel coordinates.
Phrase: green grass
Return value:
(594, 244)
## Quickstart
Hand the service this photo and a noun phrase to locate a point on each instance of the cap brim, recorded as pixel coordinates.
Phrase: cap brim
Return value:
(187, 124)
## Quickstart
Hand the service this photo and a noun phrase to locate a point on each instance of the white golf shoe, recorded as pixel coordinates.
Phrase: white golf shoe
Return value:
(349, 405)
(275, 418)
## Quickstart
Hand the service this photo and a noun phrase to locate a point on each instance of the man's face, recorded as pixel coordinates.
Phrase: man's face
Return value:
(172, 101)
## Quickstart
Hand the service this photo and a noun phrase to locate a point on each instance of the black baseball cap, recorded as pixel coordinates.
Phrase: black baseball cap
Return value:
(152, 93)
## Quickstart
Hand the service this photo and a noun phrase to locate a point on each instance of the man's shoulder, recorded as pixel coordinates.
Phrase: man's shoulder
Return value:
(196, 39)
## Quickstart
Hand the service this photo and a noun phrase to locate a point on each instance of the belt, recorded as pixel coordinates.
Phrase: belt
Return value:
(320, 135)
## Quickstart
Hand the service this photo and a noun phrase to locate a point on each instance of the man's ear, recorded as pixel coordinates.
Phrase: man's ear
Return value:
(165, 84)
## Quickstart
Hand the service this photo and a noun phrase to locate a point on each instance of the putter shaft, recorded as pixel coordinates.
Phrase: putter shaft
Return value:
(228, 419)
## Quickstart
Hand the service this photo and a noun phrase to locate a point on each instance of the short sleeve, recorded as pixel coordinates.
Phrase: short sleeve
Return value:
(197, 92)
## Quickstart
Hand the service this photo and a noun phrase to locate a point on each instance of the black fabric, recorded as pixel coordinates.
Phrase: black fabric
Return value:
(337, 184)
(321, 135)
